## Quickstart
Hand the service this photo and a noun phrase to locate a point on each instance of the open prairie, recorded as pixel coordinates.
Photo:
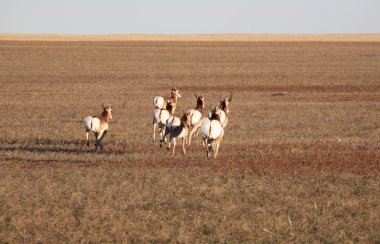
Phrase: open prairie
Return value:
(299, 161)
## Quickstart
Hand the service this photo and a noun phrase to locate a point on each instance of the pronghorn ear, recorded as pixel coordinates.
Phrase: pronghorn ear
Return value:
(230, 99)
(195, 95)
(103, 105)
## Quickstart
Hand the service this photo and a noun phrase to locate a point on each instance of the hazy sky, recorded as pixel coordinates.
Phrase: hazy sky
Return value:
(189, 16)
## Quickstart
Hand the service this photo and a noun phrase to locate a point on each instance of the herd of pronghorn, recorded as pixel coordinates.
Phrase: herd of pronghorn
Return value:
(192, 123)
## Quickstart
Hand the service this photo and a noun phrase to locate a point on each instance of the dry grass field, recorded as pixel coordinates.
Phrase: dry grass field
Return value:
(299, 161)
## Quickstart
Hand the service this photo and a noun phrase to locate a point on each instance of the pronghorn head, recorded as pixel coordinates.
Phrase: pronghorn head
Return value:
(175, 92)
(225, 104)
(107, 110)
(200, 101)
(186, 118)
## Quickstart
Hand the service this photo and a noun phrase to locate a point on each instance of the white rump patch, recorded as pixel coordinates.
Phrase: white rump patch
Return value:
(158, 102)
(91, 123)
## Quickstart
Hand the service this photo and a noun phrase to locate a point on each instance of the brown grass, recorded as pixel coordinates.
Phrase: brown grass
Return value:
(282, 175)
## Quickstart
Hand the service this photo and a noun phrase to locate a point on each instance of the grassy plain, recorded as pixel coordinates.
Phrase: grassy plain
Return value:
(299, 161)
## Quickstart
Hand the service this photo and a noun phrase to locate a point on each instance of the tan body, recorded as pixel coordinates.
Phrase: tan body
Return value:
(225, 106)
(162, 102)
(212, 132)
(196, 117)
(98, 125)
(177, 132)
(160, 118)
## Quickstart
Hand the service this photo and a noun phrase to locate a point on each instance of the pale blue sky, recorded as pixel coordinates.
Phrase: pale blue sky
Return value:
(189, 17)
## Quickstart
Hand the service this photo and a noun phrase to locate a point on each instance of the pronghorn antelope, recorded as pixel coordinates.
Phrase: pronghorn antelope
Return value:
(225, 107)
(161, 102)
(196, 116)
(178, 128)
(160, 116)
(98, 125)
(212, 132)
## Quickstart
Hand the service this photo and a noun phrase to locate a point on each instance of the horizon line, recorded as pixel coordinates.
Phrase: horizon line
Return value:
(373, 37)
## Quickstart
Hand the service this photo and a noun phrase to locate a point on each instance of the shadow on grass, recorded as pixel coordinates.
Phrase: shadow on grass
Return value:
(47, 145)
(80, 150)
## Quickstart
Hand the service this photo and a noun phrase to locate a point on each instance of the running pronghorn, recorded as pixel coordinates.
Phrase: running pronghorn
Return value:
(212, 132)
(161, 102)
(98, 125)
(225, 107)
(160, 116)
(178, 128)
(196, 116)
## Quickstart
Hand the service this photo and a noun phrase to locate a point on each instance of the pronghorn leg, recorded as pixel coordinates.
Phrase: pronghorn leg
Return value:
(168, 131)
(96, 139)
(216, 148)
(169, 142)
(197, 132)
(164, 138)
(189, 137)
(154, 131)
(183, 144)
(194, 129)
(174, 143)
(206, 147)
(100, 138)
(210, 147)
(87, 141)
(162, 131)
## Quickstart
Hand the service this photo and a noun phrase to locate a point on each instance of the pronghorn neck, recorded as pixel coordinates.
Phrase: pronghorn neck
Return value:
(215, 116)
(170, 108)
(171, 111)
(173, 97)
(106, 116)
(202, 111)
(200, 104)
(224, 107)
(183, 122)
(200, 107)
